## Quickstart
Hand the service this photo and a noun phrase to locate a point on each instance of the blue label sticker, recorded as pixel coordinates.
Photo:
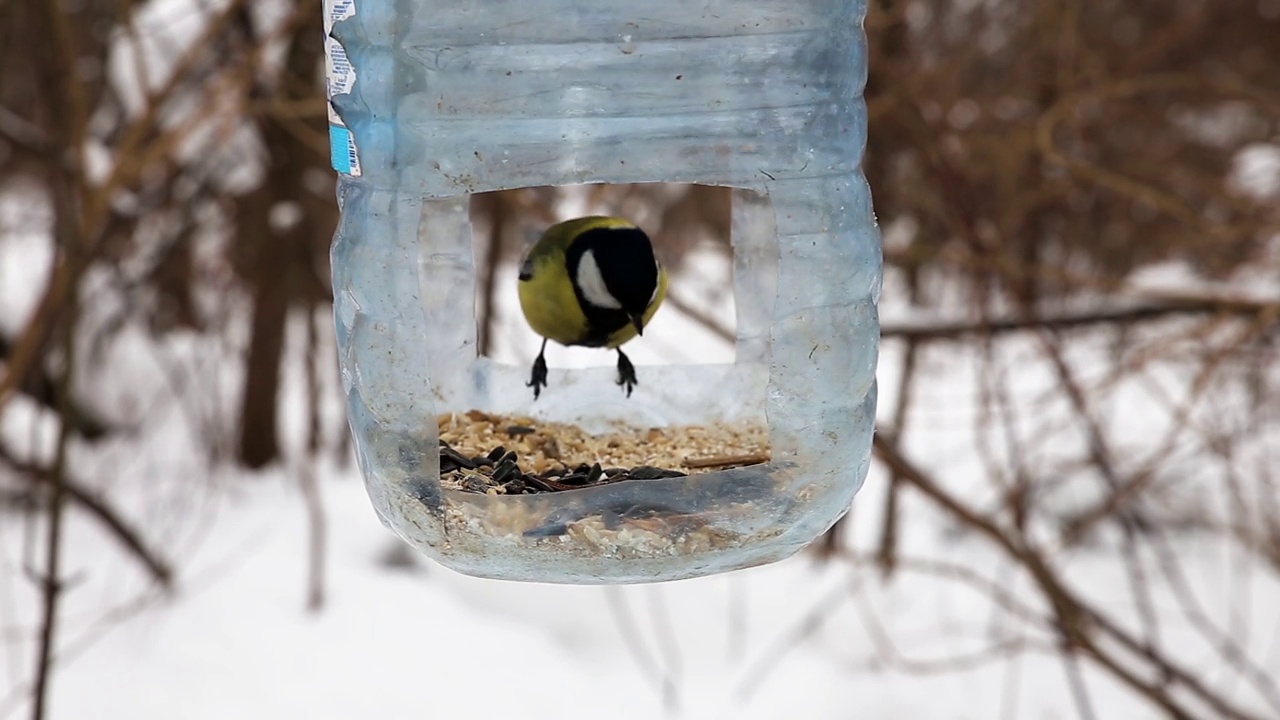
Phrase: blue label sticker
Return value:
(342, 150)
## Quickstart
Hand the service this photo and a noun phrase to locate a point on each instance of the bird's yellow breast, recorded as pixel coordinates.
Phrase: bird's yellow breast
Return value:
(549, 303)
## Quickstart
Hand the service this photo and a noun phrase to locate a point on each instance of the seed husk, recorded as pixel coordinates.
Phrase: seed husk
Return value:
(555, 457)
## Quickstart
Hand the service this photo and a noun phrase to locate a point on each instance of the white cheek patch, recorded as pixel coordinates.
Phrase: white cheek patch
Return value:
(591, 282)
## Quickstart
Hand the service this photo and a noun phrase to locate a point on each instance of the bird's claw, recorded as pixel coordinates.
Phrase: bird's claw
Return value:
(626, 373)
(538, 379)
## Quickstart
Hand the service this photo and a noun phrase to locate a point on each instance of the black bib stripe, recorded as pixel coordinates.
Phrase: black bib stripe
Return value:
(630, 274)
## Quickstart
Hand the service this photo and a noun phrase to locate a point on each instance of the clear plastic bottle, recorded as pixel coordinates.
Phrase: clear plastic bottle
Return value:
(451, 98)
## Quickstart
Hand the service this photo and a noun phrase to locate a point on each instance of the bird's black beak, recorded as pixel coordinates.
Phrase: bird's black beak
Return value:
(637, 319)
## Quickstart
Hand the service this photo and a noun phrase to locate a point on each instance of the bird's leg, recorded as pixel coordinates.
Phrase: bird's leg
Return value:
(539, 377)
(626, 372)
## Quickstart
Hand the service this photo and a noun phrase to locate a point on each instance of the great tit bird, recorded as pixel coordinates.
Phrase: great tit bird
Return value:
(593, 282)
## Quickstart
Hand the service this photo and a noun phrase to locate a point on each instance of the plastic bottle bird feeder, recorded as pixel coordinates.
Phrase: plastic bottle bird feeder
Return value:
(436, 100)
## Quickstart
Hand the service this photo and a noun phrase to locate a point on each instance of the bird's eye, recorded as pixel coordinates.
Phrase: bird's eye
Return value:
(526, 269)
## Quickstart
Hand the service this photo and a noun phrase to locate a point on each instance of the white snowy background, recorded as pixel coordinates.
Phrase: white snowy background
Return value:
(398, 636)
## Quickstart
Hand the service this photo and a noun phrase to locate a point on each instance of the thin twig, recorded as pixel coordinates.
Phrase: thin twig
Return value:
(67, 196)
(888, 552)
(703, 318)
(736, 617)
(1172, 308)
(316, 524)
(1231, 652)
(809, 624)
(1076, 619)
(668, 648)
(1099, 448)
(498, 220)
(626, 623)
(1075, 681)
(50, 581)
(725, 461)
(157, 566)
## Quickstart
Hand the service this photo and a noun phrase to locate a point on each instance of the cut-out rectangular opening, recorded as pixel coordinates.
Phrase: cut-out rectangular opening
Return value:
(689, 227)
(695, 431)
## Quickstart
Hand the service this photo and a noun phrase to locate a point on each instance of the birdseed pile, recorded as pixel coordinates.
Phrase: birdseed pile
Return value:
(485, 455)
(497, 455)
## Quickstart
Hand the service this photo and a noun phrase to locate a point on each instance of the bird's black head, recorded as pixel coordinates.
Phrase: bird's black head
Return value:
(624, 264)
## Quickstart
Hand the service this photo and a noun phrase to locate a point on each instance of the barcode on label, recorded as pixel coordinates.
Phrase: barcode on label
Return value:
(342, 150)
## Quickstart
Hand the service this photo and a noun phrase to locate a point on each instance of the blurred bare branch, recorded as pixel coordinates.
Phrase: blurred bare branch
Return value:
(1083, 627)
(1171, 308)
(124, 532)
